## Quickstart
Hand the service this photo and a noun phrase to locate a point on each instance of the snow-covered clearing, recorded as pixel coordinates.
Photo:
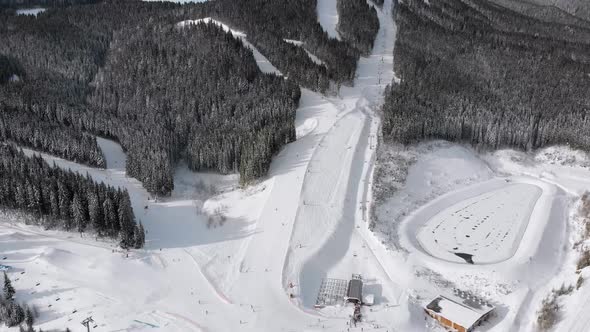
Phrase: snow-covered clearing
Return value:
(536, 256)
(328, 17)
(483, 229)
(30, 11)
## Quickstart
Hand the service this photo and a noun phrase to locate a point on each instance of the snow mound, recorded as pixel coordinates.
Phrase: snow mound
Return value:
(563, 156)
(306, 127)
(30, 11)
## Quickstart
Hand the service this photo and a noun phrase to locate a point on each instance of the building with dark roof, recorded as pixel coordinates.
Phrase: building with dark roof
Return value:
(355, 289)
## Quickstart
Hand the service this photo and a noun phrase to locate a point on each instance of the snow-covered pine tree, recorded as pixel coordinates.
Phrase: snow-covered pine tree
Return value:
(29, 318)
(16, 314)
(78, 213)
(126, 221)
(139, 236)
(8, 288)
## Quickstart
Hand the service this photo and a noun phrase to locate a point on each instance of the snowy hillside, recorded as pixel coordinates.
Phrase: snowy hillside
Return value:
(415, 222)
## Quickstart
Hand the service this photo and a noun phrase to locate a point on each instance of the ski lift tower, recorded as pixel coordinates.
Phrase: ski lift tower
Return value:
(86, 322)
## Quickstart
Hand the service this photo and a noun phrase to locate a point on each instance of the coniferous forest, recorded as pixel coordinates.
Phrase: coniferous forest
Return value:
(267, 23)
(122, 69)
(125, 70)
(202, 99)
(478, 73)
(358, 23)
(65, 200)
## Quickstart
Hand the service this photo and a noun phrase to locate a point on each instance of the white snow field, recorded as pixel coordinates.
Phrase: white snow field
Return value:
(260, 270)
(525, 269)
(483, 229)
(328, 17)
(30, 11)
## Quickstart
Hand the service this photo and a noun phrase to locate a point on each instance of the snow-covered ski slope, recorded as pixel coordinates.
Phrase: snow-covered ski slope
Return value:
(191, 277)
(307, 220)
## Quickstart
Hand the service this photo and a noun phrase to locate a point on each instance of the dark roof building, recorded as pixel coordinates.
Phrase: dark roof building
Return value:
(355, 289)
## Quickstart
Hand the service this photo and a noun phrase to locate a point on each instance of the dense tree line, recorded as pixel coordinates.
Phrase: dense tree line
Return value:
(120, 69)
(484, 75)
(292, 60)
(10, 70)
(54, 58)
(14, 314)
(358, 23)
(43, 3)
(203, 99)
(273, 21)
(48, 136)
(64, 199)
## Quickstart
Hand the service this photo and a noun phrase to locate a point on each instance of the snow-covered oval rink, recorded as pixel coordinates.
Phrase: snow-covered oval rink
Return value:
(483, 229)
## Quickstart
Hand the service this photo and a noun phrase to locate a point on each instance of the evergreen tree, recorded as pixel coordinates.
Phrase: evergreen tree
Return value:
(16, 314)
(29, 317)
(110, 216)
(8, 289)
(78, 213)
(95, 212)
(64, 200)
(110, 208)
(139, 236)
(126, 221)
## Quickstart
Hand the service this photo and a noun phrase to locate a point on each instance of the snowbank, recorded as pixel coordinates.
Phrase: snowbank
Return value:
(30, 11)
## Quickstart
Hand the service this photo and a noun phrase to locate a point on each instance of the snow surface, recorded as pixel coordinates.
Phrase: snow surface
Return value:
(30, 11)
(541, 260)
(457, 311)
(487, 227)
(328, 17)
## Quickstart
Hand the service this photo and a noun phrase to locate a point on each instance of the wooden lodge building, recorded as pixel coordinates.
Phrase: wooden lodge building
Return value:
(462, 313)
